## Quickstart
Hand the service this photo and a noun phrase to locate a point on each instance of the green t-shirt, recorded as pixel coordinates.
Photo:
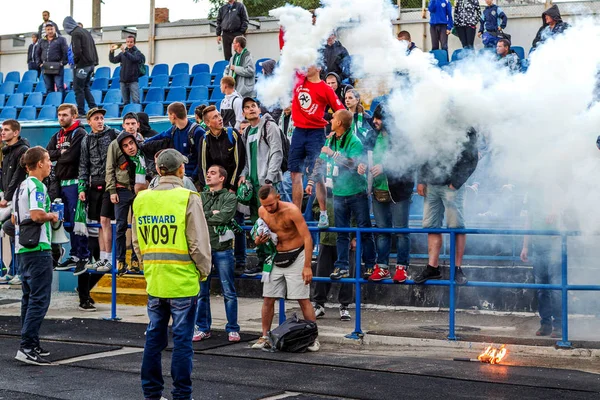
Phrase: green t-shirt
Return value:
(346, 181)
(32, 195)
(252, 138)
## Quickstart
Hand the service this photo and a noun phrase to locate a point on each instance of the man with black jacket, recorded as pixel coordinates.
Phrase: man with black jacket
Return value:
(130, 59)
(12, 176)
(335, 58)
(52, 53)
(232, 21)
(86, 58)
(64, 149)
(33, 62)
(446, 191)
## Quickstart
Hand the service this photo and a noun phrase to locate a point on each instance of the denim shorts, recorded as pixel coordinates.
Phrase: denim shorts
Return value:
(305, 148)
(441, 198)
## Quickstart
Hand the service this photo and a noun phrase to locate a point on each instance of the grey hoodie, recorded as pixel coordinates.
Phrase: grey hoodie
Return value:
(269, 154)
(69, 24)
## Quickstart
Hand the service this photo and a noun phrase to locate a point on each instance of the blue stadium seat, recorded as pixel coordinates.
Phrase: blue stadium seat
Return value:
(68, 75)
(198, 93)
(1, 77)
(181, 80)
(47, 113)
(8, 113)
(218, 106)
(180, 68)
(97, 96)
(2, 100)
(216, 96)
(196, 104)
(34, 99)
(112, 110)
(154, 110)
(40, 87)
(13, 76)
(100, 84)
(441, 56)
(70, 98)
(202, 79)
(113, 97)
(115, 84)
(200, 68)
(519, 50)
(15, 100)
(258, 67)
(524, 65)
(155, 95)
(136, 108)
(176, 94)
(25, 87)
(55, 99)
(7, 88)
(160, 81)
(27, 114)
(160, 69)
(143, 82)
(30, 76)
(459, 54)
(102, 72)
(218, 68)
(117, 73)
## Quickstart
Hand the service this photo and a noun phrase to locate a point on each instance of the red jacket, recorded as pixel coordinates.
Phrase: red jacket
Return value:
(310, 100)
(281, 40)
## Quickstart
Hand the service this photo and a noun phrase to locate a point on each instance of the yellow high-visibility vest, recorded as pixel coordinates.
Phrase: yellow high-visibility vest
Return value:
(160, 224)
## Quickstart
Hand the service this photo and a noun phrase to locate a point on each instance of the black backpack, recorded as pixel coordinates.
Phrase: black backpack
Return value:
(294, 335)
(142, 65)
(285, 146)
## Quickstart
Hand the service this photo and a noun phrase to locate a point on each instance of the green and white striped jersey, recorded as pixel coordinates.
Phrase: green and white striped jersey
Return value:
(32, 195)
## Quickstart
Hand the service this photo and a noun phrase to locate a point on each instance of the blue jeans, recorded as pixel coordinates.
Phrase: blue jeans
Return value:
(122, 208)
(13, 268)
(36, 275)
(357, 206)
(224, 266)
(440, 199)
(58, 80)
(160, 311)
(286, 187)
(239, 242)
(79, 243)
(305, 148)
(392, 215)
(547, 269)
(130, 92)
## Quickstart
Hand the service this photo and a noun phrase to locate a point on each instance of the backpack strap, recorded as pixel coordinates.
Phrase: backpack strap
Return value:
(191, 133)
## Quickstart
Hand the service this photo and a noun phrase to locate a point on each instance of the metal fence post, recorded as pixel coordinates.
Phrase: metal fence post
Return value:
(113, 301)
(281, 310)
(564, 343)
(452, 315)
(358, 333)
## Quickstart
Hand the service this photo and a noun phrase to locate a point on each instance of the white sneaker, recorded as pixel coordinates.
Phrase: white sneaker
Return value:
(315, 346)
(200, 335)
(234, 337)
(15, 281)
(319, 311)
(102, 266)
(6, 278)
(91, 264)
(344, 314)
(262, 343)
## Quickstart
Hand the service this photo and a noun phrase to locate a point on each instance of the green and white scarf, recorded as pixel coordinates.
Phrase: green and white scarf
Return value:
(140, 167)
(269, 249)
(237, 60)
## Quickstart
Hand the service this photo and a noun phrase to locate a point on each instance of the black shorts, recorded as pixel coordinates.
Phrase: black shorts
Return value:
(99, 204)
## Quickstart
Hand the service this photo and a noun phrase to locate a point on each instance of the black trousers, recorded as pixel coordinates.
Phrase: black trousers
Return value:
(325, 266)
(439, 36)
(466, 34)
(227, 42)
(81, 85)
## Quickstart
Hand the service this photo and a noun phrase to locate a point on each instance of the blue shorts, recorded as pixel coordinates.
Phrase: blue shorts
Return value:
(305, 148)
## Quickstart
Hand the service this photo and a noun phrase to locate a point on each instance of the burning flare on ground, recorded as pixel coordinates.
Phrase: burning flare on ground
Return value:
(493, 355)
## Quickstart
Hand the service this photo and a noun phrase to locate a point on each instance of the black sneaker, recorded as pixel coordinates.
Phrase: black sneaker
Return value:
(367, 274)
(339, 273)
(66, 265)
(42, 352)
(30, 356)
(253, 271)
(87, 306)
(459, 276)
(122, 268)
(544, 330)
(428, 273)
(80, 267)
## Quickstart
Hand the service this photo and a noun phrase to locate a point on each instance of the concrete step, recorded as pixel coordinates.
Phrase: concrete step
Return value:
(131, 290)
(128, 281)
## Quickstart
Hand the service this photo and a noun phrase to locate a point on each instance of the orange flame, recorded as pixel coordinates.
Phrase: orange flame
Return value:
(493, 355)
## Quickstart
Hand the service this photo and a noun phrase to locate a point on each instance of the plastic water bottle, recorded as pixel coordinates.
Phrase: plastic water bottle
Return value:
(220, 47)
(59, 208)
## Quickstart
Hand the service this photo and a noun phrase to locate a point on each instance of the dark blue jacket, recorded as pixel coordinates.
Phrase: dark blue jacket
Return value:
(130, 60)
(55, 50)
(492, 18)
(440, 13)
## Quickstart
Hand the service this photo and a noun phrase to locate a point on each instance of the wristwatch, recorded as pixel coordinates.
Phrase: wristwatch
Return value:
(268, 182)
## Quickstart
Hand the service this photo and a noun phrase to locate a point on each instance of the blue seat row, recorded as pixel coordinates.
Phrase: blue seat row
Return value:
(442, 55)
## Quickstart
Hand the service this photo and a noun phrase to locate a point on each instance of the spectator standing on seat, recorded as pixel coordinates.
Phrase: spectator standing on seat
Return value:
(404, 36)
(552, 24)
(507, 57)
(335, 58)
(92, 182)
(183, 136)
(126, 170)
(52, 53)
(361, 119)
(440, 23)
(219, 209)
(231, 105)
(338, 161)
(232, 21)
(36, 261)
(493, 22)
(446, 193)
(13, 174)
(241, 68)
(86, 58)
(42, 28)
(64, 149)
(310, 98)
(33, 62)
(466, 17)
(173, 269)
(392, 192)
(130, 58)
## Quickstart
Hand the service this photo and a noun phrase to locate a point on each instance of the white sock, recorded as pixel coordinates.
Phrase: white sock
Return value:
(102, 255)
(324, 213)
(108, 256)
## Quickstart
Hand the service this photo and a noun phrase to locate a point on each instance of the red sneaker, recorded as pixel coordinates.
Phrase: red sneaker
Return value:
(400, 275)
(379, 274)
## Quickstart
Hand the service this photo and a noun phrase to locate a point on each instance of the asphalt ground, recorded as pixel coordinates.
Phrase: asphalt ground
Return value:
(112, 353)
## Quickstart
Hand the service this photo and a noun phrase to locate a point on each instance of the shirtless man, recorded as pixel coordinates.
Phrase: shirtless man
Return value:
(294, 251)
